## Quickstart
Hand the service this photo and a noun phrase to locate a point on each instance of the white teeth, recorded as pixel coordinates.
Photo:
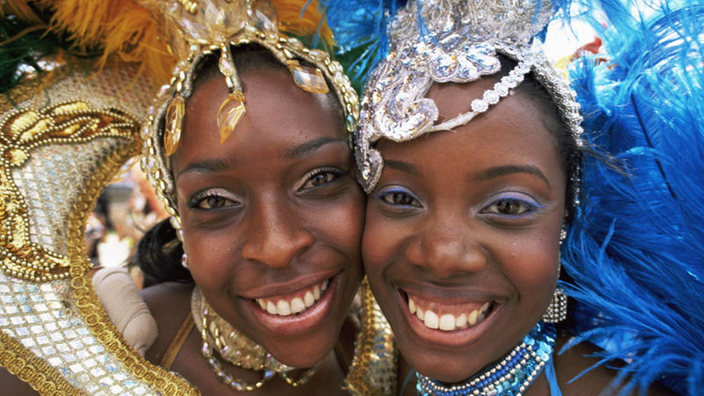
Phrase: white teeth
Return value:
(283, 308)
(461, 321)
(308, 299)
(297, 305)
(431, 319)
(472, 319)
(447, 322)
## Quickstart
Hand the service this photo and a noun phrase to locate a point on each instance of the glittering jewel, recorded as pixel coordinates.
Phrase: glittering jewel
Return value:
(231, 110)
(236, 349)
(309, 79)
(173, 124)
(510, 377)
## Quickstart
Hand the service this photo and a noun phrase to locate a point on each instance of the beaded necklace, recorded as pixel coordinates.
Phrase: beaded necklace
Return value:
(511, 376)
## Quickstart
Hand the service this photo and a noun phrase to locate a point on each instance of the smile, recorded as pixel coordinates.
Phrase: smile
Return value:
(294, 303)
(435, 319)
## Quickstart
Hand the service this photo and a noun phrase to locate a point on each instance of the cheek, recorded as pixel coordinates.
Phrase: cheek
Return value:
(379, 243)
(531, 265)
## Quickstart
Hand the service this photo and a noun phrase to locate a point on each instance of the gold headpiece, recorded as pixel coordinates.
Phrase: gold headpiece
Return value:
(206, 27)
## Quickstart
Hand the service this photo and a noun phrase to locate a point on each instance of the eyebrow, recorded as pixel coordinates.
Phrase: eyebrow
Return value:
(499, 171)
(306, 148)
(403, 167)
(205, 166)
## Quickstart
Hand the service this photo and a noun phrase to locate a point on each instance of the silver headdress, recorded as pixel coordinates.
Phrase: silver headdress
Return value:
(453, 41)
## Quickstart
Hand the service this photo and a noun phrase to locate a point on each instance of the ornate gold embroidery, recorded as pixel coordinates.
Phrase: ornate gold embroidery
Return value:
(67, 128)
(374, 366)
(20, 133)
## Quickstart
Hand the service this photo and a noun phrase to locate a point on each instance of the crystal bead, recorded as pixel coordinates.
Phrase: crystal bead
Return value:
(174, 123)
(263, 16)
(226, 66)
(309, 79)
(295, 43)
(229, 114)
(350, 123)
(317, 55)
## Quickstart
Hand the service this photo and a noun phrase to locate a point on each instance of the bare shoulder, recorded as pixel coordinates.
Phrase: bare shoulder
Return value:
(170, 303)
(13, 385)
(579, 358)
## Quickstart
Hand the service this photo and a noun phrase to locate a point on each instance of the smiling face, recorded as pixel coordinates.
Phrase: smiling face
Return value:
(462, 233)
(272, 218)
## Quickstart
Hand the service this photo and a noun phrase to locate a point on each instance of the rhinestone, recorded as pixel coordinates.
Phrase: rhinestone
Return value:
(309, 79)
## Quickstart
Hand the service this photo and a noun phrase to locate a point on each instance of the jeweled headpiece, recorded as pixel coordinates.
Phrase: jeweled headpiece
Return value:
(453, 41)
(205, 27)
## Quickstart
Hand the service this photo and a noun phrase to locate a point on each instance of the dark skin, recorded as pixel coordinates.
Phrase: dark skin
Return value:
(469, 220)
(273, 211)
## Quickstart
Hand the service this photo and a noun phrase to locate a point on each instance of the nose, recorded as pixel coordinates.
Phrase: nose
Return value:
(447, 248)
(275, 235)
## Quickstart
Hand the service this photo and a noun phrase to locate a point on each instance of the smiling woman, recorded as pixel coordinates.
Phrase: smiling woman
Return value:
(471, 147)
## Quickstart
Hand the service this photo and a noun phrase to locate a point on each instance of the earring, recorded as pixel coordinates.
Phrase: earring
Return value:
(184, 261)
(557, 310)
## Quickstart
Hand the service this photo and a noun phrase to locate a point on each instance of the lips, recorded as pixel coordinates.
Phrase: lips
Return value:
(298, 312)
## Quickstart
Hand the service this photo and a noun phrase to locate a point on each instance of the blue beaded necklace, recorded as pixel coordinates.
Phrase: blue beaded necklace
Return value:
(510, 377)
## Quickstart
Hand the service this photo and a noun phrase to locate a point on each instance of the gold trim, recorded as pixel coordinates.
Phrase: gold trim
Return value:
(366, 349)
(21, 132)
(29, 368)
(86, 299)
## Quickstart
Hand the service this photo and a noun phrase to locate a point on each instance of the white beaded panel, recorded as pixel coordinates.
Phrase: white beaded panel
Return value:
(42, 317)
(51, 181)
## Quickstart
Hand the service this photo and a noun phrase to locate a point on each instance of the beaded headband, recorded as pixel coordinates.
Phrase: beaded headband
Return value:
(453, 41)
(207, 27)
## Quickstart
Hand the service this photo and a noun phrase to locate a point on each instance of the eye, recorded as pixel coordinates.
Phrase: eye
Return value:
(399, 198)
(320, 177)
(212, 199)
(511, 206)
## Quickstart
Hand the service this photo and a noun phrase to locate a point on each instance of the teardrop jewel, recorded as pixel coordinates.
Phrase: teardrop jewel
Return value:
(231, 110)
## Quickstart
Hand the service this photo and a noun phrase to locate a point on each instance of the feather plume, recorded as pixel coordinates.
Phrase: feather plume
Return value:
(299, 18)
(636, 249)
(360, 31)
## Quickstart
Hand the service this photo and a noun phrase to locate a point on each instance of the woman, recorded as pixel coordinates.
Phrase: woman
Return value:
(248, 148)
(463, 230)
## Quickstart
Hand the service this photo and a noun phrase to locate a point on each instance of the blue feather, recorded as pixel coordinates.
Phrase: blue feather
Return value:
(636, 248)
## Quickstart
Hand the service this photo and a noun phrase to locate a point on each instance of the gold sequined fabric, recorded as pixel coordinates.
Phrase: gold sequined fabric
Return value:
(374, 367)
(59, 147)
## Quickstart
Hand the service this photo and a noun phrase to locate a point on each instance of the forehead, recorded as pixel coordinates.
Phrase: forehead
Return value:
(510, 132)
(278, 115)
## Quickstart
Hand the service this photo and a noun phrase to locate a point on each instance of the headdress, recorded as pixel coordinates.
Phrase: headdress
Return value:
(450, 41)
(213, 27)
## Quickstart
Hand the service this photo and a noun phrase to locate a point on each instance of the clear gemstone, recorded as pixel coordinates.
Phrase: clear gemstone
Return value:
(263, 15)
(309, 79)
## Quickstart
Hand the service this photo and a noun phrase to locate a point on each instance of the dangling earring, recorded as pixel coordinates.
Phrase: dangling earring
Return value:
(184, 261)
(557, 310)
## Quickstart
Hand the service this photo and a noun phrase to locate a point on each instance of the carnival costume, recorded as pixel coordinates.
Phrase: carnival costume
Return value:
(56, 336)
(634, 254)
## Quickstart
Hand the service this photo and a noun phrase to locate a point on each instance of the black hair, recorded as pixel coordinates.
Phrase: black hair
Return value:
(159, 251)
(570, 152)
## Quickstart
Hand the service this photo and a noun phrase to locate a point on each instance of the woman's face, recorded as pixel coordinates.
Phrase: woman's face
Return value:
(272, 218)
(462, 234)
